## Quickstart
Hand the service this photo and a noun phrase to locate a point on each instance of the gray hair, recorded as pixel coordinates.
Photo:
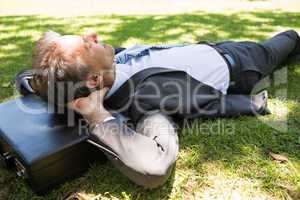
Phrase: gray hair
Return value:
(52, 66)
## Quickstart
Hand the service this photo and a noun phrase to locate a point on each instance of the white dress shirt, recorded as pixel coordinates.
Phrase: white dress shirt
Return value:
(200, 61)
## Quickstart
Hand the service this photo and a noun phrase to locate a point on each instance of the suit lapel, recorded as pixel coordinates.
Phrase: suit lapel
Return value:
(118, 99)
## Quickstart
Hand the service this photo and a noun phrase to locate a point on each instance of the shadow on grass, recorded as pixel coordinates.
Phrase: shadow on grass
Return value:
(241, 151)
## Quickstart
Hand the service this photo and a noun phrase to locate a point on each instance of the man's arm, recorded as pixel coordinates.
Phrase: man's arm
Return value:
(236, 105)
(146, 156)
(177, 95)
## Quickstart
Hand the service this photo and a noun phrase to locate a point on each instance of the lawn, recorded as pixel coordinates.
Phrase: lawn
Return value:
(220, 158)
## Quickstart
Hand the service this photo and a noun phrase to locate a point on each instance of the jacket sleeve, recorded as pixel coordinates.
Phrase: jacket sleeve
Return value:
(145, 155)
(236, 105)
(174, 95)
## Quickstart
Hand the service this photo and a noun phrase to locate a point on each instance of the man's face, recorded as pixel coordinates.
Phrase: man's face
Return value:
(99, 57)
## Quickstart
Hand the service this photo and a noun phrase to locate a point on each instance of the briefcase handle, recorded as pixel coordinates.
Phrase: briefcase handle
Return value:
(9, 162)
(6, 160)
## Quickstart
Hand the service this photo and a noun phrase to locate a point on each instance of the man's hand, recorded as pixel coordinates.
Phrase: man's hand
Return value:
(91, 107)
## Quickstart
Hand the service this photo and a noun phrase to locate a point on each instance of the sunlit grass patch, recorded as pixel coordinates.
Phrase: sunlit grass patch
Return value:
(219, 158)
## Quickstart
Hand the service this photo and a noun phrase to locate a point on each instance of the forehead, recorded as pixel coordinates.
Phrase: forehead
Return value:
(70, 42)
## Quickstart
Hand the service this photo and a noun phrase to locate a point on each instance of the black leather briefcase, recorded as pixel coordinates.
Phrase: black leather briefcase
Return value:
(40, 145)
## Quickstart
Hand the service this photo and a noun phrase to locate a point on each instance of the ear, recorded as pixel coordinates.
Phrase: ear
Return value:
(94, 81)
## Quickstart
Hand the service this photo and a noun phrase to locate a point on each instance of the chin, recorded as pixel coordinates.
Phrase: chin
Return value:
(109, 80)
(109, 75)
(109, 84)
(110, 49)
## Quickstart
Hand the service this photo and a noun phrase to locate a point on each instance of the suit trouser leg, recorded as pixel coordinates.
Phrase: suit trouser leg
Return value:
(257, 60)
(280, 47)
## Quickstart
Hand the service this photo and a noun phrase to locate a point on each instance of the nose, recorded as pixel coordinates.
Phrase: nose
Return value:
(91, 36)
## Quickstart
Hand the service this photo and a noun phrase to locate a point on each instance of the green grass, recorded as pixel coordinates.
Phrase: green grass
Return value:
(221, 158)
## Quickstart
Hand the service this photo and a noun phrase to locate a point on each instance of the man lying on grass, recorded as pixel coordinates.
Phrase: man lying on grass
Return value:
(152, 85)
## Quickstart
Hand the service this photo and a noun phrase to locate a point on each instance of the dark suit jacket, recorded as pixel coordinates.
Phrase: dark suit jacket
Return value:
(177, 94)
